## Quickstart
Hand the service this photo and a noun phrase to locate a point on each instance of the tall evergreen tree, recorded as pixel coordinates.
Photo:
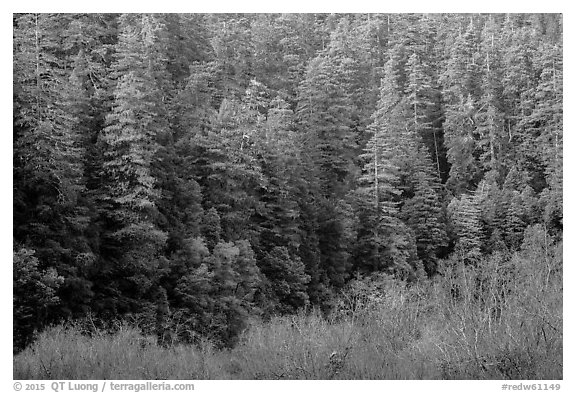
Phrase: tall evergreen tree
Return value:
(490, 118)
(381, 240)
(130, 142)
(325, 113)
(461, 94)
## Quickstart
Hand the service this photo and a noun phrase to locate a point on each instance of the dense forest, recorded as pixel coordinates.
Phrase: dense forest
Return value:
(192, 172)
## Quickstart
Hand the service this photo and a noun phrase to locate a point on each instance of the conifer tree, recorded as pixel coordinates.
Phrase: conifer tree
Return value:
(514, 224)
(490, 118)
(464, 215)
(325, 113)
(424, 214)
(325, 117)
(130, 143)
(461, 94)
(233, 51)
(380, 237)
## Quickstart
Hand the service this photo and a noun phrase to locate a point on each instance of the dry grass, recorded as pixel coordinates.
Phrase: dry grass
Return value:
(64, 353)
(503, 323)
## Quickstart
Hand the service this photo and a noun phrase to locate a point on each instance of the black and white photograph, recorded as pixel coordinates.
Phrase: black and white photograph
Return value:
(287, 196)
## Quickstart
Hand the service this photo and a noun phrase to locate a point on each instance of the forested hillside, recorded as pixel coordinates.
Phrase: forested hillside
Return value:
(192, 173)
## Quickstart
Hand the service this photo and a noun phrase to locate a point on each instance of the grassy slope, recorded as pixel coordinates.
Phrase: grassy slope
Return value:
(420, 332)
